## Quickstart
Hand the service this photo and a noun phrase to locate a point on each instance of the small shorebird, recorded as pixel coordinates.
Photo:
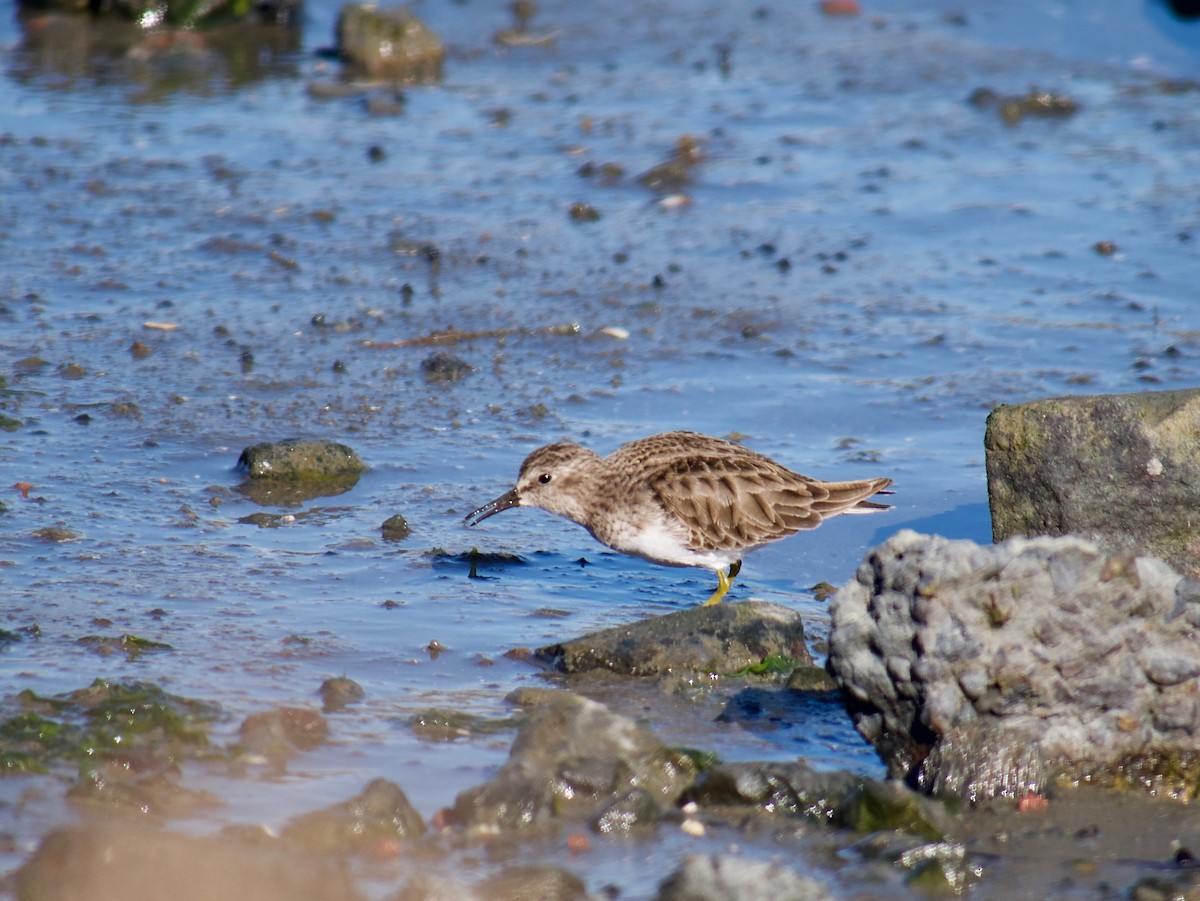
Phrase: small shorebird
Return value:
(681, 499)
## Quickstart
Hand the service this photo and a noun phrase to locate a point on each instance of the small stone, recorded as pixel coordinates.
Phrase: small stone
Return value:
(395, 528)
(338, 693)
(583, 212)
(445, 367)
(56, 534)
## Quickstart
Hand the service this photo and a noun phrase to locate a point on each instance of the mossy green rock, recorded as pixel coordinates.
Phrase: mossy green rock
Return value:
(1122, 469)
(295, 460)
(104, 717)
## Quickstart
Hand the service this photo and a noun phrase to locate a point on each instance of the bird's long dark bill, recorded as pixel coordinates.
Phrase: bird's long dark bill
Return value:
(503, 502)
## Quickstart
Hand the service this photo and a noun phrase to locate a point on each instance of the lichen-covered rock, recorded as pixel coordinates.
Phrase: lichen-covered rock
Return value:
(985, 671)
(389, 43)
(722, 638)
(1119, 468)
(575, 760)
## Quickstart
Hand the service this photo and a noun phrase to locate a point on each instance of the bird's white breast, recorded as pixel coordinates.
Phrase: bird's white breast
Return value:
(661, 542)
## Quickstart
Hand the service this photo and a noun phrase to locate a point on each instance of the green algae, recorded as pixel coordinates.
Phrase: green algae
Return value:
(132, 646)
(105, 717)
(770, 665)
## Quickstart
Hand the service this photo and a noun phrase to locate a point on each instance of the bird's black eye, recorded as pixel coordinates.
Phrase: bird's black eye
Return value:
(544, 478)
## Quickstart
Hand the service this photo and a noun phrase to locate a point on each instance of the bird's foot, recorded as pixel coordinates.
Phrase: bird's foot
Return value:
(723, 583)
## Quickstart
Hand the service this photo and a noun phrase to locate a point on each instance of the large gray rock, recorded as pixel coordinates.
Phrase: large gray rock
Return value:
(982, 671)
(1121, 469)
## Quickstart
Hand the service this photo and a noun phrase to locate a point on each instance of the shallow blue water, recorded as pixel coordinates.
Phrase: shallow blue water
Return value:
(938, 263)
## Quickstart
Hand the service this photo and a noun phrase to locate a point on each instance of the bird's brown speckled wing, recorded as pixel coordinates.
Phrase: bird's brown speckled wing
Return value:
(731, 497)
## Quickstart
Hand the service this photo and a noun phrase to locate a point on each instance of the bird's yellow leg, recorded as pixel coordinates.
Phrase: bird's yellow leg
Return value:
(723, 583)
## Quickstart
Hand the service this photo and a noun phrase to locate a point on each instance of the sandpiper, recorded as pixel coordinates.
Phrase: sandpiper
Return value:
(681, 499)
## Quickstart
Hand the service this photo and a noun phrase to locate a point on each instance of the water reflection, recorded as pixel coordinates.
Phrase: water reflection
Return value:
(79, 51)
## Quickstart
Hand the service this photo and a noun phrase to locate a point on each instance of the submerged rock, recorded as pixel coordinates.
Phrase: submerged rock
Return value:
(1012, 108)
(983, 671)
(444, 366)
(339, 692)
(575, 760)
(1118, 468)
(395, 528)
(381, 813)
(839, 798)
(277, 735)
(723, 638)
(113, 860)
(106, 719)
(139, 784)
(675, 173)
(792, 788)
(890, 807)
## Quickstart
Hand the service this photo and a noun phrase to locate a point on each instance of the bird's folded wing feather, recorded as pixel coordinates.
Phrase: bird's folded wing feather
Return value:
(732, 503)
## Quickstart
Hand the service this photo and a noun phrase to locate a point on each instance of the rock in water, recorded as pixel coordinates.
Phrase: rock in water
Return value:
(297, 459)
(575, 760)
(721, 638)
(380, 813)
(389, 43)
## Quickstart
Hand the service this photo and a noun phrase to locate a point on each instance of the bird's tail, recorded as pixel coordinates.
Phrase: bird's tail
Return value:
(851, 497)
